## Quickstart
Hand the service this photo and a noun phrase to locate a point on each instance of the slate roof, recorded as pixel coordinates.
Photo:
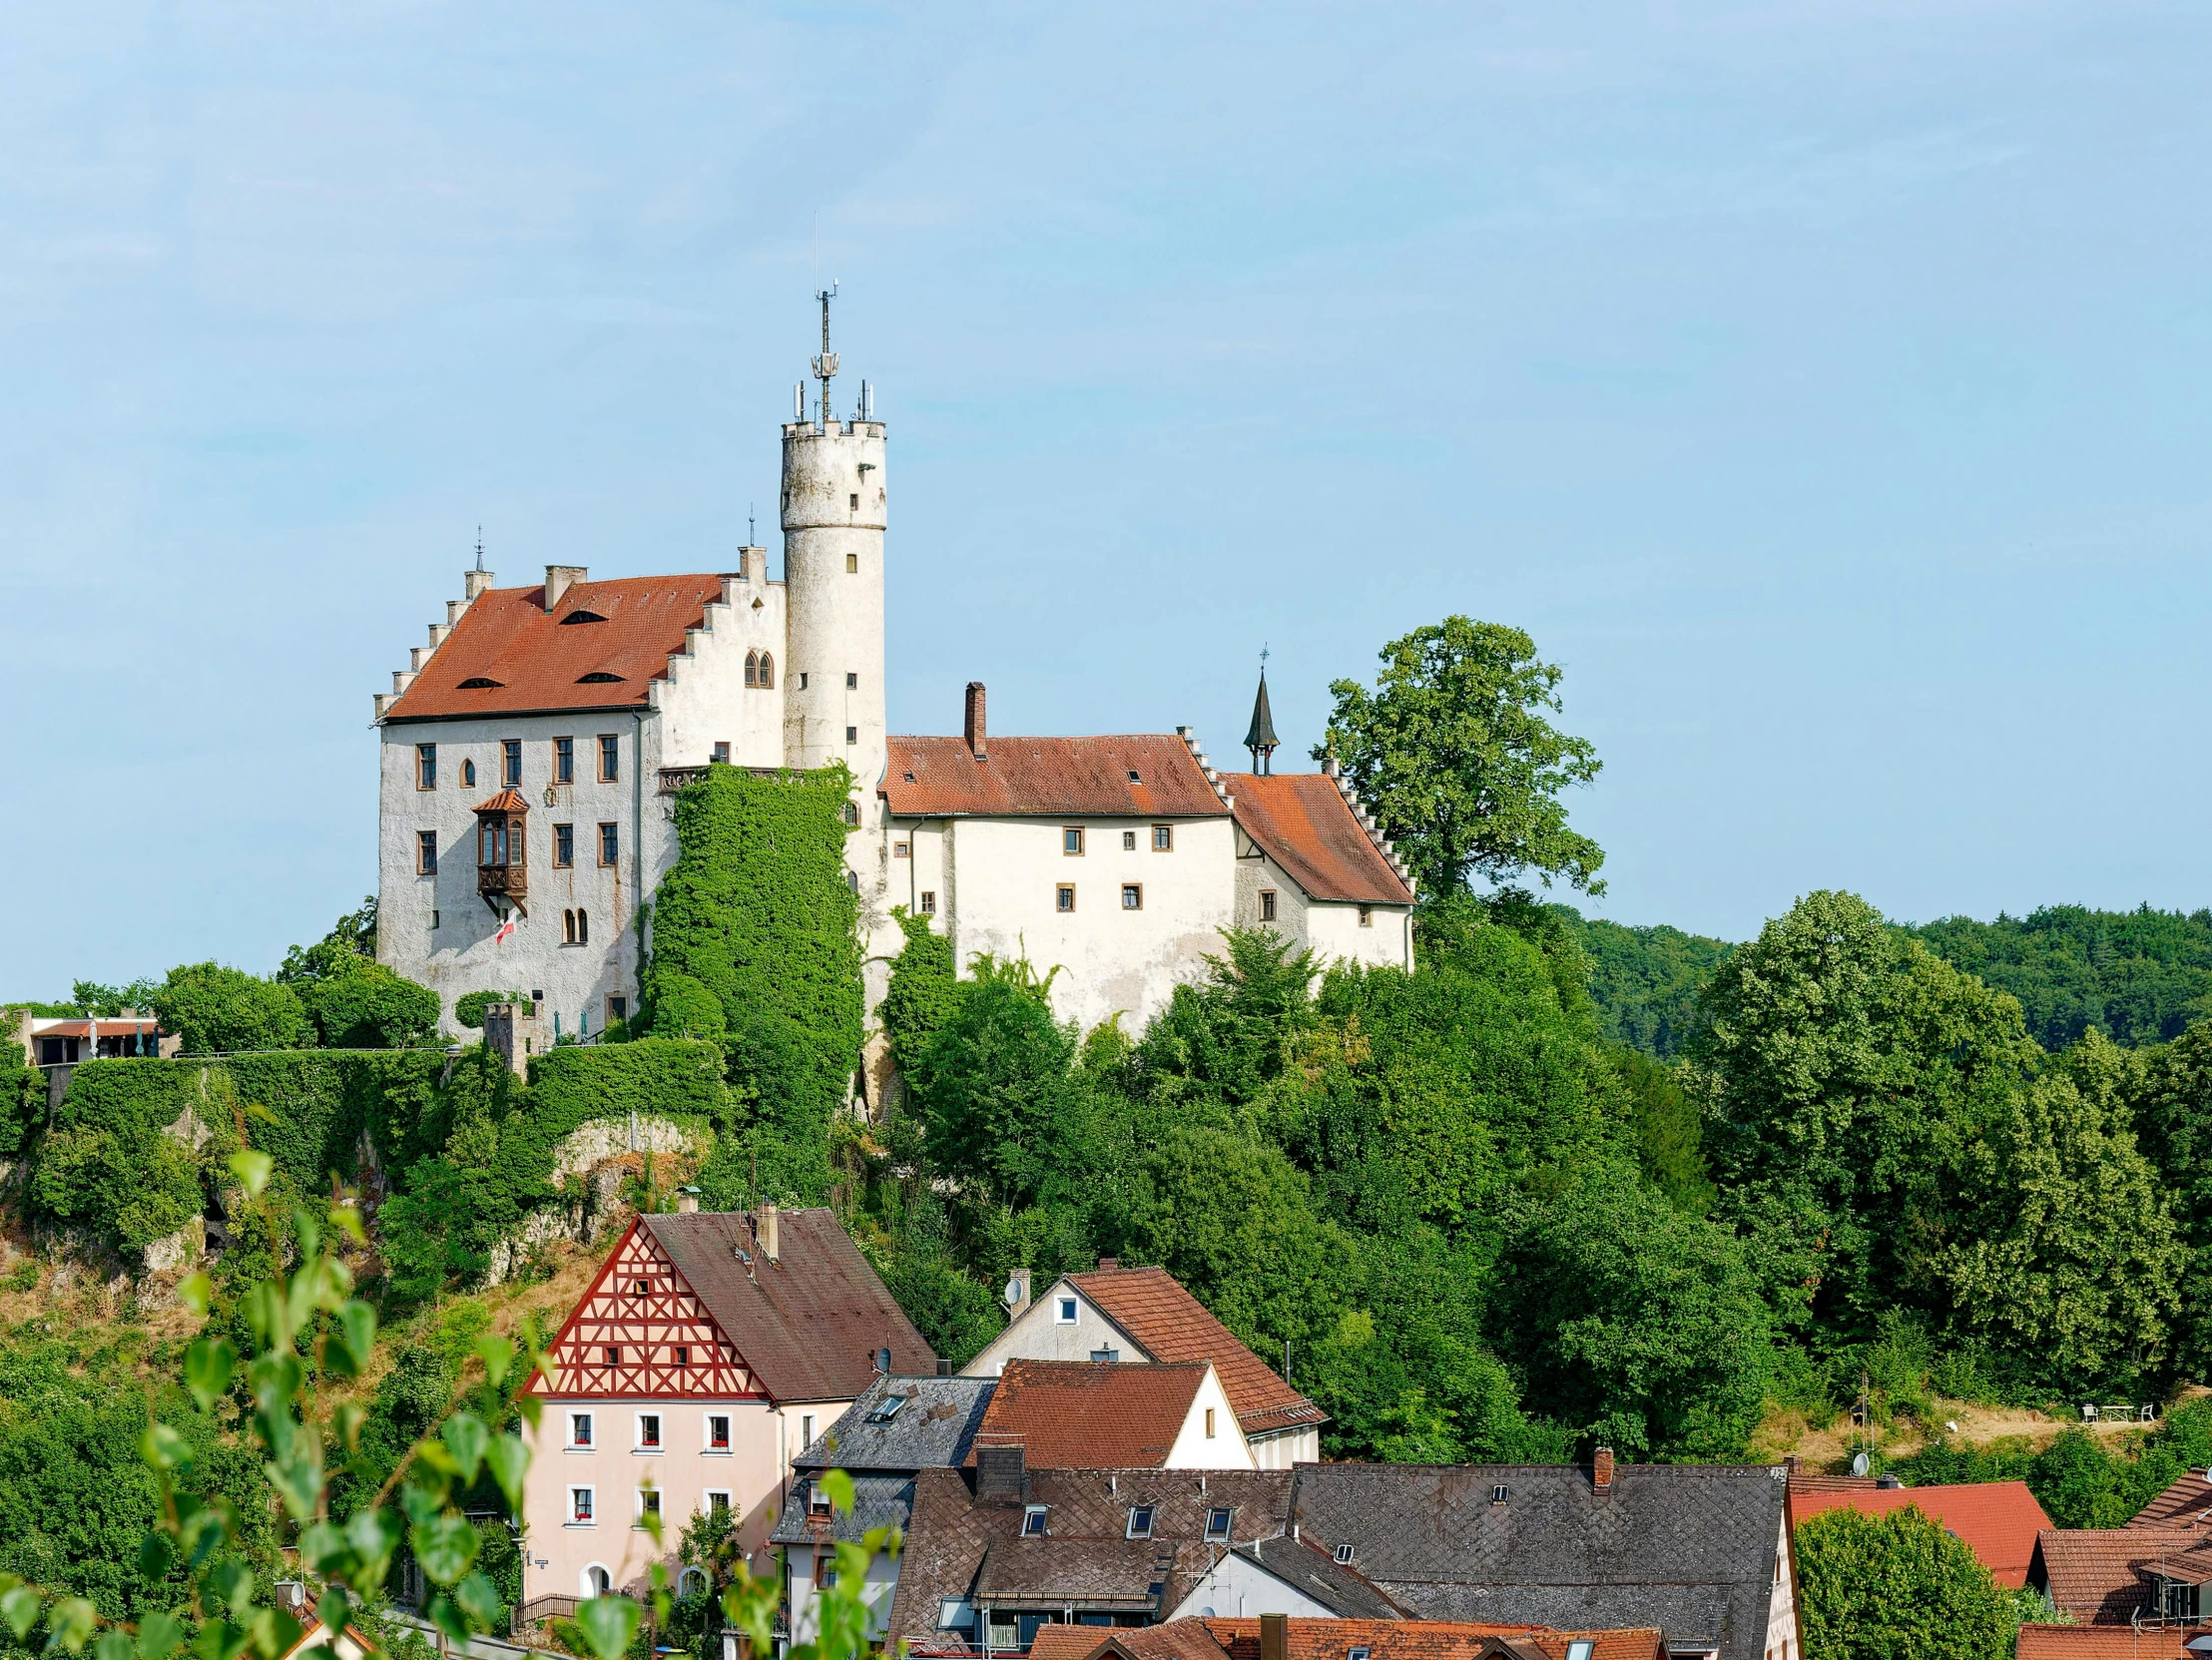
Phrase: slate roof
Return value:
(2186, 1503)
(1168, 1323)
(1687, 1547)
(1303, 823)
(1316, 1639)
(954, 1536)
(1093, 1414)
(1048, 777)
(1305, 1566)
(809, 1324)
(877, 1502)
(936, 1425)
(538, 662)
(1997, 1521)
(2103, 1642)
(2099, 1574)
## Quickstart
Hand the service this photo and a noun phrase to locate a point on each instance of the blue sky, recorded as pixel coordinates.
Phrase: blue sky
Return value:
(1822, 385)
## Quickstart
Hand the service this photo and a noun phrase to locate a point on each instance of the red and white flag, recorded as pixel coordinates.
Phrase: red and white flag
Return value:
(505, 929)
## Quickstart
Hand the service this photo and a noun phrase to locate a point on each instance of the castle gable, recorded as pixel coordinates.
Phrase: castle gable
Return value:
(641, 1332)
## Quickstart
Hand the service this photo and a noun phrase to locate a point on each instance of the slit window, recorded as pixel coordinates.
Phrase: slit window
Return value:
(852, 681)
(510, 761)
(425, 766)
(426, 852)
(609, 759)
(1128, 842)
(468, 775)
(564, 761)
(851, 735)
(614, 1354)
(680, 1355)
(1366, 916)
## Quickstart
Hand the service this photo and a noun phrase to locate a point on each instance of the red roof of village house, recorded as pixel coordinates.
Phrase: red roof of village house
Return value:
(1997, 1521)
(1091, 1415)
(1323, 1639)
(2185, 1503)
(2103, 1642)
(1304, 825)
(1137, 776)
(2099, 1574)
(1168, 1323)
(538, 662)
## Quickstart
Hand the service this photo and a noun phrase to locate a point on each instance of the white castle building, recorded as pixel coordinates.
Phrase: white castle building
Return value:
(531, 748)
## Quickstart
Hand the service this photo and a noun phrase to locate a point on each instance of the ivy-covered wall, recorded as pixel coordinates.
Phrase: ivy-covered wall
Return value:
(756, 915)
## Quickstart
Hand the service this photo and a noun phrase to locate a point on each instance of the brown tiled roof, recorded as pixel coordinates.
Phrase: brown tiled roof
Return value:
(2186, 1503)
(538, 662)
(1048, 777)
(1997, 1521)
(1320, 1639)
(1092, 1414)
(1168, 1323)
(2097, 1574)
(1305, 827)
(2103, 1642)
(1801, 1482)
(808, 1324)
(507, 800)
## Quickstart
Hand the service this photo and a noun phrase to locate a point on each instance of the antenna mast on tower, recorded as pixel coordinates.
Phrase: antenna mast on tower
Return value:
(825, 366)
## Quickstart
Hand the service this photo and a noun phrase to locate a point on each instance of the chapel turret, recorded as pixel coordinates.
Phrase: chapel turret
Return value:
(834, 513)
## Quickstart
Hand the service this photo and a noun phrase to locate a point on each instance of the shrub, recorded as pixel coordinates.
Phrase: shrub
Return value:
(372, 1007)
(469, 1009)
(1897, 1587)
(217, 1009)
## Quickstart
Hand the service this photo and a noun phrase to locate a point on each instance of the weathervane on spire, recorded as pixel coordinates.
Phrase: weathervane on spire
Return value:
(479, 547)
(1261, 738)
(825, 366)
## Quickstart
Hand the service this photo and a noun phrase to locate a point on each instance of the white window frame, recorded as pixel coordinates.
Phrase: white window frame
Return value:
(660, 1433)
(659, 1493)
(588, 1444)
(1228, 1514)
(1066, 1310)
(1151, 1514)
(806, 1430)
(1041, 1514)
(707, 1434)
(591, 1502)
(707, 1497)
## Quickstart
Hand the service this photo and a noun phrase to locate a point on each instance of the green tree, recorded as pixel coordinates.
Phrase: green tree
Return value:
(1897, 1587)
(22, 1099)
(440, 1232)
(91, 997)
(1645, 980)
(468, 1008)
(369, 1006)
(2171, 1101)
(2067, 1252)
(1667, 1127)
(217, 1009)
(923, 991)
(2136, 975)
(351, 940)
(1452, 754)
(994, 1082)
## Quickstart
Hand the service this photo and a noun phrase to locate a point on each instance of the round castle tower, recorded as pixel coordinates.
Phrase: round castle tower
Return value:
(834, 500)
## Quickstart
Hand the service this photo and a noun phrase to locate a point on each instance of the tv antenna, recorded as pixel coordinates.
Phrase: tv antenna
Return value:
(825, 366)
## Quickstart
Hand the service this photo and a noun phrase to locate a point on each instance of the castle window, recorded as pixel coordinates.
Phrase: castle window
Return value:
(425, 766)
(852, 809)
(718, 1432)
(767, 670)
(929, 902)
(1071, 840)
(720, 757)
(1063, 897)
(902, 850)
(1132, 895)
(851, 735)
(579, 1506)
(564, 847)
(614, 1355)
(1128, 842)
(680, 1355)
(579, 1430)
(426, 852)
(510, 755)
(649, 1431)
(582, 928)
(609, 759)
(493, 844)
(852, 681)
(568, 927)
(1267, 904)
(852, 560)
(564, 761)
(853, 881)
(752, 668)
(1163, 839)
(618, 1008)
(1366, 916)
(610, 843)
(853, 505)
(433, 919)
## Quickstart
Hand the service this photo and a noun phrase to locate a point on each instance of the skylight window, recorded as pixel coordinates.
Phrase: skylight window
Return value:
(888, 1409)
(1217, 1524)
(1356, 1654)
(582, 617)
(1497, 1493)
(598, 677)
(1581, 1648)
(1344, 1554)
(1134, 777)
(1032, 1521)
(1140, 1521)
(478, 682)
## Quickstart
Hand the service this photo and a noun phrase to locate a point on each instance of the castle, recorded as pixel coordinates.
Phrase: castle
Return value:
(531, 748)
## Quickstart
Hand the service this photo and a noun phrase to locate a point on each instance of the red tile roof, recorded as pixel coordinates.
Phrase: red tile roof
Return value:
(2103, 1642)
(1997, 1521)
(538, 662)
(2186, 1503)
(1049, 777)
(2100, 1575)
(507, 800)
(1168, 1323)
(1319, 1639)
(1091, 1415)
(1305, 827)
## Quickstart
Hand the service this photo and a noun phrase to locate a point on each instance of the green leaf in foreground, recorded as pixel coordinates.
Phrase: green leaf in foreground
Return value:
(606, 1624)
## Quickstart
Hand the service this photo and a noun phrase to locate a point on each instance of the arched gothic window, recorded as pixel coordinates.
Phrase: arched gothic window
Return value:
(853, 812)
(568, 927)
(752, 668)
(582, 928)
(768, 670)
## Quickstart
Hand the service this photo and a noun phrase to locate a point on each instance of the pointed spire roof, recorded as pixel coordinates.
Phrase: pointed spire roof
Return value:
(1261, 735)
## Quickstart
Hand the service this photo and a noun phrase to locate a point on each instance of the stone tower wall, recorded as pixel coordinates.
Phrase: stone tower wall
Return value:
(834, 514)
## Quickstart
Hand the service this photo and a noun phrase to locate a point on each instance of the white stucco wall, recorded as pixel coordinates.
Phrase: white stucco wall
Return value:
(1236, 1587)
(834, 504)
(996, 881)
(1292, 1446)
(1782, 1623)
(1327, 927)
(705, 701)
(804, 1601)
(1225, 1448)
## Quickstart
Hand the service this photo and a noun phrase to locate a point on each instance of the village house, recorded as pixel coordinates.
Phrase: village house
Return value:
(709, 1352)
(1280, 1637)
(1142, 1316)
(1998, 1521)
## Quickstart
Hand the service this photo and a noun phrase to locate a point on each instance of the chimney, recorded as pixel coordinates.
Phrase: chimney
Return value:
(1107, 1265)
(1888, 1481)
(1017, 1294)
(944, 1366)
(999, 1471)
(558, 579)
(1275, 1637)
(974, 730)
(765, 1228)
(687, 1202)
(1601, 1470)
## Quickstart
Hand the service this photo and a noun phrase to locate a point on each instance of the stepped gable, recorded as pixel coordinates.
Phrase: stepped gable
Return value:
(1144, 776)
(807, 1322)
(1092, 1414)
(2186, 1503)
(1997, 1521)
(1168, 1323)
(537, 661)
(1690, 1547)
(1303, 821)
(2102, 1575)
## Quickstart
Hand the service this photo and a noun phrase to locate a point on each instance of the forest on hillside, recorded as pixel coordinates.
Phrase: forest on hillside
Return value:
(1561, 1184)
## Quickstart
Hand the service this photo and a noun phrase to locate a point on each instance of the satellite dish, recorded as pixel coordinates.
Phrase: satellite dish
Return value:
(1858, 1464)
(1012, 1294)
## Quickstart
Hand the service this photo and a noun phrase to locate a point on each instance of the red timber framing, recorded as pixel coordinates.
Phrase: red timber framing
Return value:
(645, 1328)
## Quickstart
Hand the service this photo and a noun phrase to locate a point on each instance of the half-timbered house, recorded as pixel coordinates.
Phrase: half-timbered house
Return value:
(710, 1350)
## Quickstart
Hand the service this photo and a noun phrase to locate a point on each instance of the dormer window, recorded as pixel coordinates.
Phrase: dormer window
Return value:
(478, 682)
(818, 1499)
(1342, 1555)
(889, 1409)
(581, 616)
